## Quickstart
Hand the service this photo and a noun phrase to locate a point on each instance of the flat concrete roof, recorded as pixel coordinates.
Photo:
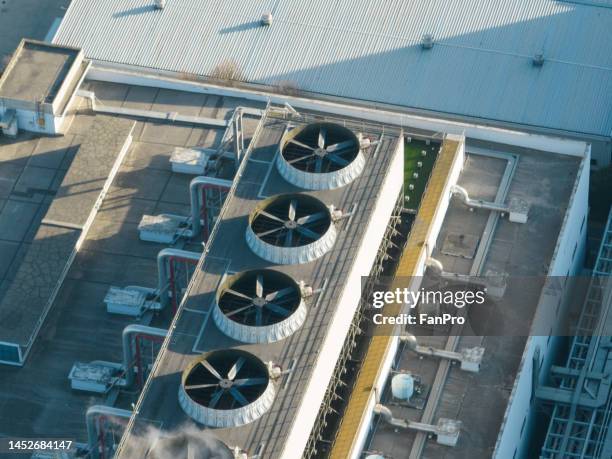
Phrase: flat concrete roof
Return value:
(479, 400)
(36, 71)
(196, 333)
(36, 400)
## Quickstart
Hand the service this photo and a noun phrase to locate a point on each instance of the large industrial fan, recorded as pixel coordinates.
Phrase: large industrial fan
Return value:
(321, 147)
(291, 221)
(321, 156)
(226, 388)
(259, 306)
(291, 228)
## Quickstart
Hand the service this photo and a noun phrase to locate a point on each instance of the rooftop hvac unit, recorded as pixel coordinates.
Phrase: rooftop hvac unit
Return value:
(160, 4)
(226, 388)
(321, 156)
(266, 19)
(402, 386)
(259, 306)
(291, 229)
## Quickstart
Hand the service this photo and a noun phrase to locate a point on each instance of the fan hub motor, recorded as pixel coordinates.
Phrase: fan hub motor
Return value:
(225, 383)
(290, 224)
(259, 302)
(320, 152)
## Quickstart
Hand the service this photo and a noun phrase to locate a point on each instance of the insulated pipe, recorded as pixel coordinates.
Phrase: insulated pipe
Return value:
(93, 413)
(386, 414)
(163, 270)
(477, 203)
(196, 205)
(128, 358)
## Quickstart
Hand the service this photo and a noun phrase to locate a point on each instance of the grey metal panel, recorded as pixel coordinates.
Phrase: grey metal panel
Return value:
(480, 65)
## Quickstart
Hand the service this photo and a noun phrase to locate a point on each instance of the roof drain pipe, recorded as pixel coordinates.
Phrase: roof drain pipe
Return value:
(517, 210)
(163, 270)
(95, 414)
(204, 183)
(128, 357)
(446, 431)
(494, 284)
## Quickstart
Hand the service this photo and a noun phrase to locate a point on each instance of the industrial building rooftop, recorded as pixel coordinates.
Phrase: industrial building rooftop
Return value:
(532, 63)
(467, 246)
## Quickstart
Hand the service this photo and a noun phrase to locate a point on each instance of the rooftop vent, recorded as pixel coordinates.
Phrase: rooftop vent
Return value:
(321, 156)
(427, 41)
(259, 306)
(538, 59)
(266, 19)
(290, 229)
(226, 388)
(160, 4)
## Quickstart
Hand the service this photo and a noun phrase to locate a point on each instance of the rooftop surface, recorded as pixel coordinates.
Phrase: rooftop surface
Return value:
(33, 398)
(479, 400)
(228, 252)
(36, 72)
(482, 50)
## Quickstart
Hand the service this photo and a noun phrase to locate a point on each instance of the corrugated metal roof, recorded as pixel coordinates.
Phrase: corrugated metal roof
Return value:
(480, 65)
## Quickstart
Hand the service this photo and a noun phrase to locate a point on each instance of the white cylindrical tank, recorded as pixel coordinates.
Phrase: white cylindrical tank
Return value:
(402, 386)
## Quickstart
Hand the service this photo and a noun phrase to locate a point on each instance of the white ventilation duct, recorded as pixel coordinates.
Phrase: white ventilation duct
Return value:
(259, 306)
(291, 229)
(226, 388)
(321, 156)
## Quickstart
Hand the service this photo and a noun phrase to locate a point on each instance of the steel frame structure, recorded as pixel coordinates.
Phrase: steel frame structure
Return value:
(581, 428)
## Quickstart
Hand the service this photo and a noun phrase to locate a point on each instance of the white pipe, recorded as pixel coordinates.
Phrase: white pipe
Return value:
(162, 270)
(128, 357)
(477, 203)
(93, 412)
(386, 414)
(196, 205)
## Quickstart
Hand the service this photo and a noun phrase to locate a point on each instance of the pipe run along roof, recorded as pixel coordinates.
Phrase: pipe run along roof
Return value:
(481, 64)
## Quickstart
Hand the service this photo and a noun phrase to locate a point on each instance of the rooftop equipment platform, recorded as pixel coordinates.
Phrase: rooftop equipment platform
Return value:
(299, 352)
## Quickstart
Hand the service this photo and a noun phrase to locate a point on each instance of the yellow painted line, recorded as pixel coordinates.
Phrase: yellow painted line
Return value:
(380, 344)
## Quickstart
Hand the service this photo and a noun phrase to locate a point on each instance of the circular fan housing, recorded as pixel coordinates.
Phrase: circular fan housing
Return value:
(320, 156)
(226, 388)
(259, 306)
(291, 229)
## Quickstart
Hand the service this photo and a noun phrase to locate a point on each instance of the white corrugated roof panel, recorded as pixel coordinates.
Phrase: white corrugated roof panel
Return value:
(480, 65)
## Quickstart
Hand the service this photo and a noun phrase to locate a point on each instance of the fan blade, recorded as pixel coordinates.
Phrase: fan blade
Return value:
(231, 375)
(211, 369)
(334, 158)
(259, 286)
(340, 146)
(238, 294)
(258, 317)
(292, 209)
(238, 396)
(236, 311)
(200, 386)
(249, 382)
(277, 309)
(301, 158)
(279, 294)
(265, 233)
(215, 398)
(270, 216)
(322, 136)
(308, 233)
(318, 164)
(310, 218)
(300, 144)
(289, 238)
